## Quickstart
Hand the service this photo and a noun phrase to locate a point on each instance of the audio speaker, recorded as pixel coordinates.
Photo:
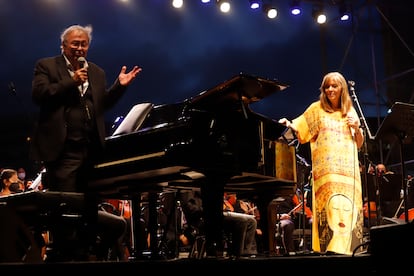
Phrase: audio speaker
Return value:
(391, 241)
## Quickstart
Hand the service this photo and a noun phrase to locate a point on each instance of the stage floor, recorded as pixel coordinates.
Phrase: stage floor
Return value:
(363, 264)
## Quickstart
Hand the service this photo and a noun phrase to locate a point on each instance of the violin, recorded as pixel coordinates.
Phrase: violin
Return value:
(249, 208)
(298, 203)
(227, 206)
(120, 207)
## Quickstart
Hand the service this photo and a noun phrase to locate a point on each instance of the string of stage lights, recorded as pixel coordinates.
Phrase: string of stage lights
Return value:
(271, 11)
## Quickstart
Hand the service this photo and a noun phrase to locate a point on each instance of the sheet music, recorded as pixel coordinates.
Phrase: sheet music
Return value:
(35, 184)
(134, 119)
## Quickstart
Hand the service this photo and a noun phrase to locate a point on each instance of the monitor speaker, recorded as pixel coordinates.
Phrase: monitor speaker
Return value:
(391, 241)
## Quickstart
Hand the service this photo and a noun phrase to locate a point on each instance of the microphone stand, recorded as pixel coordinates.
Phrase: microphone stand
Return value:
(302, 220)
(364, 124)
(366, 131)
(303, 168)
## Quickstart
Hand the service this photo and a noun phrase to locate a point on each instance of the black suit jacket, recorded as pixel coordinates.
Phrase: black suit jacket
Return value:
(52, 89)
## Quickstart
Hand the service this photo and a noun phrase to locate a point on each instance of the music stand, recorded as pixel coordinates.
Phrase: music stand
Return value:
(399, 125)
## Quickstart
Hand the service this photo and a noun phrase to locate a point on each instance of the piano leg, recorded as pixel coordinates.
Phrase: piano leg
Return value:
(141, 249)
(155, 251)
(212, 195)
(139, 242)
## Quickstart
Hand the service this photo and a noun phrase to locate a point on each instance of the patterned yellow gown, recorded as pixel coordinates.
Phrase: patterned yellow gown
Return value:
(337, 191)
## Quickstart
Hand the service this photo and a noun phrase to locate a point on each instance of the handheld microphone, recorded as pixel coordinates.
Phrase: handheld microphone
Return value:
(350, 128)
(82, 62)
(352, 132)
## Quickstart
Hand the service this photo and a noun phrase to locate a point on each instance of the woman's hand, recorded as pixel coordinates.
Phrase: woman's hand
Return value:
(285, 122)
(352, 122)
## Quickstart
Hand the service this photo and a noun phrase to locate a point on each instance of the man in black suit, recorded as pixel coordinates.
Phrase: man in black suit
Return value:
(72, 96)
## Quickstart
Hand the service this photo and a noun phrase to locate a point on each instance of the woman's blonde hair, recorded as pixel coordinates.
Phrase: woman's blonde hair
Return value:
(346, 101)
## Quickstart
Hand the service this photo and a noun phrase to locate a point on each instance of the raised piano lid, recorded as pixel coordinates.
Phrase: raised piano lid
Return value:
(222, 98)
(247, 88)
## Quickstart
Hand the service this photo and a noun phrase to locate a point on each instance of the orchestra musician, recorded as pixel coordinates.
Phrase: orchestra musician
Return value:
(379, 206)
(123, 209)
(249, 207)
(242, 226)
(290, 215)
(12, 249)
(8, 180)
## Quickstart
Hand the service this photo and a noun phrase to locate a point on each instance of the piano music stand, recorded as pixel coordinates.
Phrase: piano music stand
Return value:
(399, 125)
(134, 119)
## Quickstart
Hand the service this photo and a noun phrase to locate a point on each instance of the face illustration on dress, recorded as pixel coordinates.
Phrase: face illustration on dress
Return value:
(339, 214)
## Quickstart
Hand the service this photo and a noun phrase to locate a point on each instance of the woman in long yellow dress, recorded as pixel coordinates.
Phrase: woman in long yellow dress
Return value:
(332, 127)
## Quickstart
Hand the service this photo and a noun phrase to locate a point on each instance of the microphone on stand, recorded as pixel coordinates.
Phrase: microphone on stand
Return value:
(351, 83)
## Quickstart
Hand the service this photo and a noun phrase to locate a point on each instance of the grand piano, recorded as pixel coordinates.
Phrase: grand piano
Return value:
(212, 140)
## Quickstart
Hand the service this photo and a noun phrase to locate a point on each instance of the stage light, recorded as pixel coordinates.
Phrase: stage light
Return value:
(319, 15)
(254, 4)
(344, 13)
(224, 5)
(295, 7)
(321, 18)
(177, 3)
(270, 11)
(205, 1)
